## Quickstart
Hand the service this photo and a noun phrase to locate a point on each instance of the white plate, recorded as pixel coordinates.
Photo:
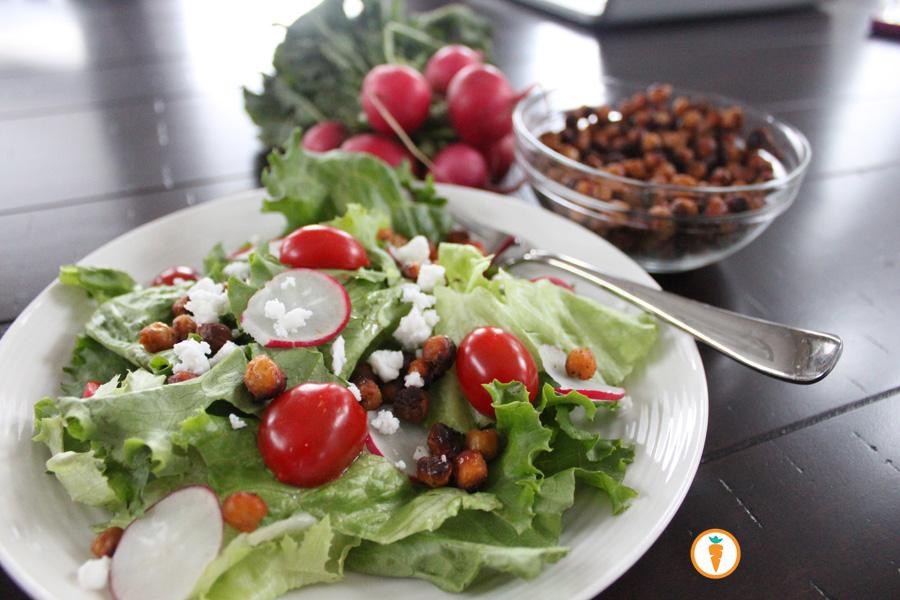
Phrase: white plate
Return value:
(44, 536)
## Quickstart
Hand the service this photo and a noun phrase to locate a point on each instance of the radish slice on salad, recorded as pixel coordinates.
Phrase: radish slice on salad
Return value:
(400, 442)
(595, 388)
(298, 307)
(162, 555)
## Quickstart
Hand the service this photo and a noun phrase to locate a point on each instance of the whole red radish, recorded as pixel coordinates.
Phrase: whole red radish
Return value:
(389, 150)
(401, 91)
(446, 62)
(500, 157)
(323, 136)
(460, 164)
(480, 101)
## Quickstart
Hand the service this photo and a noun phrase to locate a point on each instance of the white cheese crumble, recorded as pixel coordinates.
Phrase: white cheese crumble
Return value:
(413, 379)
(355, 391)
(286, 321)
(421, 452)
(338, 356)
(192, 357)
(207, 301)
(386, 364)
(386, 422)
(401, 465)
(430, 276)
(417, 250)
(94, 574)
(236, 421)
(416, 327)
(238, 268)
(413, 294)
(223, 353)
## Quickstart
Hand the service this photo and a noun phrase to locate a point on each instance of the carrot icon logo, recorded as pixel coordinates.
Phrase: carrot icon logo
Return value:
(715, 553)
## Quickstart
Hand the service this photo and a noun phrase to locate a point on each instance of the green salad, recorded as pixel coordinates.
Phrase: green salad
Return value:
(144, 433)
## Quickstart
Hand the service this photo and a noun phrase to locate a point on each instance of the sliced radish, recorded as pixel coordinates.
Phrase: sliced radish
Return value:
(595, 388)
(400, 447)
(162, 555)
(298, 307)
(244, 253)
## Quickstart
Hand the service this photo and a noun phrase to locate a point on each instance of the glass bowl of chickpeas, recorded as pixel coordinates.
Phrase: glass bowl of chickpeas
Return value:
(676, 179)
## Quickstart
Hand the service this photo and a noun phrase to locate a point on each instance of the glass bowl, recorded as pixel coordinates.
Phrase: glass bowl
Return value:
(676, 179)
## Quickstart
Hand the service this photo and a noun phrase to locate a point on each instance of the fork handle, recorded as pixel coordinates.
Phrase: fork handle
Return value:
(788, 353)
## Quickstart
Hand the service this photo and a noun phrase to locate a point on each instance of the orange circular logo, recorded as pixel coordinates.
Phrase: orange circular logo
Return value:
(715, 553)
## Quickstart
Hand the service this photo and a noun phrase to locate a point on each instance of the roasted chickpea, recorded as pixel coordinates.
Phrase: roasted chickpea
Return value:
(105, 544)
(264, 378)
(485, 441)
(434, 471)
(411, 404)
(470, 470)
(157, 337)
(581, 363)
(214, 334)
(184, 325)
(244, 511)
(445, 441)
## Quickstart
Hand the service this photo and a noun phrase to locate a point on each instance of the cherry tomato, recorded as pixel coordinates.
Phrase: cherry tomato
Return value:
(323, 247)
(311, 433)
(90, 388)
(489, 353)
(170, 275)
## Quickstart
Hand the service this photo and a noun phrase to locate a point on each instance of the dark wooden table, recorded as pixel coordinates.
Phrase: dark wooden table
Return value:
(115, 113)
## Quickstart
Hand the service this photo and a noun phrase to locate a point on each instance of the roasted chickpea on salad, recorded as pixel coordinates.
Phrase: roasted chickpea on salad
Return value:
(356, 395)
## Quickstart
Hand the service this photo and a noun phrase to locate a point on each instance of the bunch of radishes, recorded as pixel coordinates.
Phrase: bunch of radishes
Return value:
(397, 100)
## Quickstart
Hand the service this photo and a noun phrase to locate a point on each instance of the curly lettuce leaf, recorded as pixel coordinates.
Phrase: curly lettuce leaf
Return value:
(101, 283)
(534, 478)
(311, 188)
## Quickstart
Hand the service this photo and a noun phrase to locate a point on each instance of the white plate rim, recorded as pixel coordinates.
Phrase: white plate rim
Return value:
(680, 415)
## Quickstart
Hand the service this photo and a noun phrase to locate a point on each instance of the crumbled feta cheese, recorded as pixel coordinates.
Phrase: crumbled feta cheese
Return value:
(430, 276)
(338, 356)
(355, 391)
(207, 301)
(224, 352)
(386, 422)
(274, 309)
(289, 282)
(413, 379)
(286, 321)
(294, 319)
(401, 465)
(192, 357)
(416, 327)
(236, 421)
(386, 364)
(94, 574)
(238, 268)
(421, 452)
(413, 294)
(416, 251)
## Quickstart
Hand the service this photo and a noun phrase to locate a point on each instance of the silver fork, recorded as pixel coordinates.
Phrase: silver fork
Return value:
(786, 353)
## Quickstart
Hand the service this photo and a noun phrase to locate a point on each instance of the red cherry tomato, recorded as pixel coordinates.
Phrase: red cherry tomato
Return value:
(311, 433)
(90, 388)
(489, 353)
(323, 247)
(172, 274)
